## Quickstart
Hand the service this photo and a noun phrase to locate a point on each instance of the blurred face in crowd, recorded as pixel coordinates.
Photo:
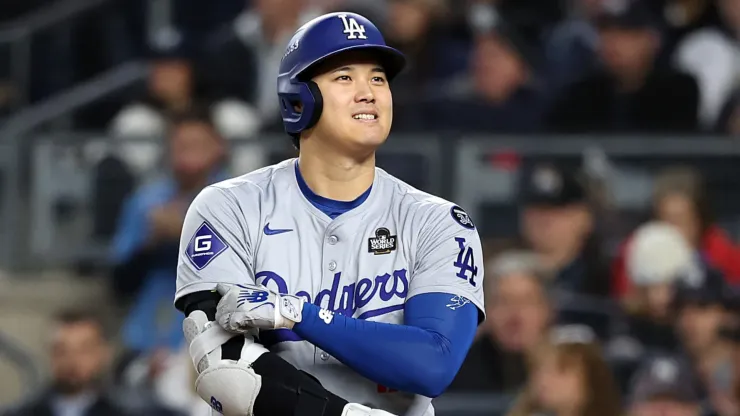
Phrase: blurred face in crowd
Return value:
(79, 355)
(498, 71)
(589, 8)
(665, 407)
(552, 229)
(627, 52)
(195, 150)
(518, 312)
(171, 81)
(558, 383)
(730, 11)
(356, 94)
(699, 326)
(658, 298)
(678, 210)
(408, 20)
(277, 10)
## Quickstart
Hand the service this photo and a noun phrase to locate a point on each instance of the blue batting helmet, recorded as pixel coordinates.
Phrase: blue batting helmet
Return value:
(314, 42)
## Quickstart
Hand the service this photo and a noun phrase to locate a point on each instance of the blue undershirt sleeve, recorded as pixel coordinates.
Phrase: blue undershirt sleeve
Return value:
(422, 356)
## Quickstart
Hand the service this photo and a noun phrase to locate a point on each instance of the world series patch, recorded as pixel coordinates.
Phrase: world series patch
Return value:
(382, 243)
(461, 217)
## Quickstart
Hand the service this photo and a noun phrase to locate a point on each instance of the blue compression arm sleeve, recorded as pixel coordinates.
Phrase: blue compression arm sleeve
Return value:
(421, 357)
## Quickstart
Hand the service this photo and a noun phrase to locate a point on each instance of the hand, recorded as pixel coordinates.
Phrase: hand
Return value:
(243, 307)
(167, 220)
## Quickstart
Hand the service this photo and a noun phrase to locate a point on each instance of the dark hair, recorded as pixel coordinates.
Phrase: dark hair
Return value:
(79, 316)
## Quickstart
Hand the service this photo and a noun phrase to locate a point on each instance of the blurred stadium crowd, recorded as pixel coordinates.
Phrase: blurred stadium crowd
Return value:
(594, 307)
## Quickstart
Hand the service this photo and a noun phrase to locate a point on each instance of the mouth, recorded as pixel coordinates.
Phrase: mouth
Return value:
(366, 116)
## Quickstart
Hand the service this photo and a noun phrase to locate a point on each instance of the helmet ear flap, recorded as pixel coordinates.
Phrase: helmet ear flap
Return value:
(308, 96)
(318, 104)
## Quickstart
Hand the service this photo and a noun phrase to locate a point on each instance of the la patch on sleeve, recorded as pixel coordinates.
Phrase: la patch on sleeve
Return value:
(205, 246)
(461, 217)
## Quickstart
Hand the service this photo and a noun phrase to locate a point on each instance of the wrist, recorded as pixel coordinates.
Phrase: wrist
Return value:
(290, 311)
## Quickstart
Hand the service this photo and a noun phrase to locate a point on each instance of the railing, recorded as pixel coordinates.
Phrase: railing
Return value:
(481, 174)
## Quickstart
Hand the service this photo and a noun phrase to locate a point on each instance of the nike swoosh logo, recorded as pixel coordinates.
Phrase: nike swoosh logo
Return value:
(269, 231)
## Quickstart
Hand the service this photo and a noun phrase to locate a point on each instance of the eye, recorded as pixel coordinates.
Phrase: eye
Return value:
(343, 78)
(379, 79)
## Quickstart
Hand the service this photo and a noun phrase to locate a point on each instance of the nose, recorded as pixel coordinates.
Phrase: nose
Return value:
(364, 93)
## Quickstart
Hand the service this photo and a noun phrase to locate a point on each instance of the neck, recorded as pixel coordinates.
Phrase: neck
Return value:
(335, 176)
(633, 80)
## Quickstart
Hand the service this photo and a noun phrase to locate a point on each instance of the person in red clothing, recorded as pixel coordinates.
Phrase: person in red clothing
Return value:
(680, 199)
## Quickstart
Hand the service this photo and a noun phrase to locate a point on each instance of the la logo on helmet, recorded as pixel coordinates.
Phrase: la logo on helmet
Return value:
(352, 29)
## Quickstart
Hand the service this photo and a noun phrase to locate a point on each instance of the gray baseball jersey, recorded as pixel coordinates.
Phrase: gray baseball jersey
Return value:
(399, 243)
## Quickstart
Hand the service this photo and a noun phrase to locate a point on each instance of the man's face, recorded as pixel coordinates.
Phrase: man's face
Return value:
(553, 228)
(498, 71)
(78, 357)
(171, 80)
(358, 106)
(518, 312)
(408, 20)
(626, 51)
(665, 407)
(677, 209)
(699, 326)
(194, 150)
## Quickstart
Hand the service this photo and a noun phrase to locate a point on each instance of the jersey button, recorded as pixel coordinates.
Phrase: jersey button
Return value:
(332, 265)
(333, 239)
(324, 356)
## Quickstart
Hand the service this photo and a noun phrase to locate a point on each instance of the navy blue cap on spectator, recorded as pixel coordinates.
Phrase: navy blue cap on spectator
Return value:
(549, 186)
(169, 44)
(626, 14)
(707, 287)
(664, 377)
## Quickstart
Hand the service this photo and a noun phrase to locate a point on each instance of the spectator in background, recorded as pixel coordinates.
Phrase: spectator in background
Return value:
(569, 378)
(173, 87)
(558, 224)
(572, 47)
(241, 61)
(712, 56)
(417, 28)
(665, 386)
(80, 355)
(680, 198)
(657, 257)
(703, 308)
(632, 93)
(535, 17)
(519, 313)
(680, 18)
(501, 93)
(147, 240)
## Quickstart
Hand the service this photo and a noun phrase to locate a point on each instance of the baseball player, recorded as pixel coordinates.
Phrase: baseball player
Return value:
(347, 273)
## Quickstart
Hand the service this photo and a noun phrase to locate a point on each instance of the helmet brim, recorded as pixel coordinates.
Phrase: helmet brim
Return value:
(391, 59)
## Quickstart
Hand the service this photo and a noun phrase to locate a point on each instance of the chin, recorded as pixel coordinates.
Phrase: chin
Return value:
(367, 139)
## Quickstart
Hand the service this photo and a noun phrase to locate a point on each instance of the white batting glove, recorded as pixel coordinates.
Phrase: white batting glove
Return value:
(243, 307)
